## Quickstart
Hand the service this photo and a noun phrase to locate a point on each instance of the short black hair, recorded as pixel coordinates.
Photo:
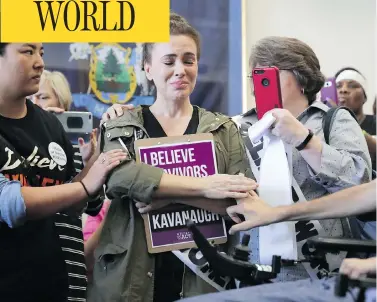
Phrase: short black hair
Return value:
(2, 48)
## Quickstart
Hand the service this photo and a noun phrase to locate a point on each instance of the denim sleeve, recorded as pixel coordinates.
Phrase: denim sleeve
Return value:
(12, 205)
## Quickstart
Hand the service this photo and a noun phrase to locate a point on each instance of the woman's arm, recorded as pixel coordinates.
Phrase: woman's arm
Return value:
(337, 205)
(18, 204)
(143, 182)
(89, 247)
(238, 164)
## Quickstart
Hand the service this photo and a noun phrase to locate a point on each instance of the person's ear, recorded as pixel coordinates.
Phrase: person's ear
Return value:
(148, 69)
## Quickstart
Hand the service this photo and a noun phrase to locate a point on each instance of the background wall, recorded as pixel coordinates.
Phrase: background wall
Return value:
(341, 32)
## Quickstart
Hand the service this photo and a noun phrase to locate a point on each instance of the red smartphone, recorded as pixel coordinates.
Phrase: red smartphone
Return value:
(267, 91)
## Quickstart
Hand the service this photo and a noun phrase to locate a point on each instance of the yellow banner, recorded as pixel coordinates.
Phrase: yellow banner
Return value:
(84, 21)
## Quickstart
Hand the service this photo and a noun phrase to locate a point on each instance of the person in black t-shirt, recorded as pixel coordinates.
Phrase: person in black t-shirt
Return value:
(352, 93)
(54, 95)
(37, 158)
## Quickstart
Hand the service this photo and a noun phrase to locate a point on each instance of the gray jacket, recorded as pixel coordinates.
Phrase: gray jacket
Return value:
(345, 162)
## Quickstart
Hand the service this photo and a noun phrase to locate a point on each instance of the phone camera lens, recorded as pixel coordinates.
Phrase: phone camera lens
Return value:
(265, 82)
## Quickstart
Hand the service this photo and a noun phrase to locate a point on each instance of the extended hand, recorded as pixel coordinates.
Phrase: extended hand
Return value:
(154, 205)
(97, 174)
(87, 149)
(256, 211)
(220, 186)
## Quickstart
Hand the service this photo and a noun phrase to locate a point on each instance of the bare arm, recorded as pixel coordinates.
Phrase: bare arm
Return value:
(90, 246)
(352, 201)
(214, 206)
(238, 164)
(18, 204)
(45, 201)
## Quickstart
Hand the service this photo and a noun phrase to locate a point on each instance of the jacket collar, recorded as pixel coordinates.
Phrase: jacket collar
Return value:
(208, 121)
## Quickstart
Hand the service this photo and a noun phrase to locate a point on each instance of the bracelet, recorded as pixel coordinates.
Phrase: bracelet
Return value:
(301, 146)
(86, 190)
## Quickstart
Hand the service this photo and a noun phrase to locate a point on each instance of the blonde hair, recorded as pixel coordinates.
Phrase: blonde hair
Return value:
(60, 86)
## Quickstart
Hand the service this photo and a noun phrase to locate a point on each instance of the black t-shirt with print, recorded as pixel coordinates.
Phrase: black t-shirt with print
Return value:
(31, 258)
(169, 269)
(369, 124)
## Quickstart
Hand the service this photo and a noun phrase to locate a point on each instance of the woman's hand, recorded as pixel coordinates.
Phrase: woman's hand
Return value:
(54, 109)
(87, 149)
(288, 128)
(97, 174)
(115, 111)
(221, 186)
(111, 113)
(154, 205)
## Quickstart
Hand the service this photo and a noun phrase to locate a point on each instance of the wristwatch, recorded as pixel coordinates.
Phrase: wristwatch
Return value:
(306, 141)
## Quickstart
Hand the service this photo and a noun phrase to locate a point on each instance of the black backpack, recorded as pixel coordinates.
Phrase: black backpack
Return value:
(328, 120)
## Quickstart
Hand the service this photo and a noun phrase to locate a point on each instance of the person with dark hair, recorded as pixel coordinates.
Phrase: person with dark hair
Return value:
(318, 168)
(37, 181)
(352, 93)
(124, 270)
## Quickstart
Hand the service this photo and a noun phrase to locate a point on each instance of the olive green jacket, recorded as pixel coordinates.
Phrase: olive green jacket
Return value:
(124, 270)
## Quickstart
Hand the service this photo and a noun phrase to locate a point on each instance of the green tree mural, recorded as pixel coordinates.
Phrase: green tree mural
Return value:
(111, 66)
(99, 71)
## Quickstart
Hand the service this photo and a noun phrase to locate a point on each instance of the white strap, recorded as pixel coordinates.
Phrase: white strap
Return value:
(275, 189)
(315, 227)
(202, 269)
